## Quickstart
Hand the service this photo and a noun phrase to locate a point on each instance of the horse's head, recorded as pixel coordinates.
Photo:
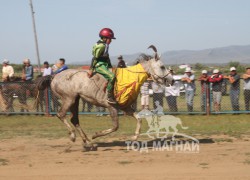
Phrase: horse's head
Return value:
(157, 70)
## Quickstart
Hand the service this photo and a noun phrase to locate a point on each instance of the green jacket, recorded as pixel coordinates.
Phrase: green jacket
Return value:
(100, 55)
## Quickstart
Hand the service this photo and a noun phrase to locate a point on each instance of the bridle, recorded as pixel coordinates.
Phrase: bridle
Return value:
(153, 74)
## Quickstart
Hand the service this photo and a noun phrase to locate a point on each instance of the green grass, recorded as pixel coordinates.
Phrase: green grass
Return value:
(52, 127)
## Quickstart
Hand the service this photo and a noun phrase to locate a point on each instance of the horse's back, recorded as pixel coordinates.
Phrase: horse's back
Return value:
(74, 82)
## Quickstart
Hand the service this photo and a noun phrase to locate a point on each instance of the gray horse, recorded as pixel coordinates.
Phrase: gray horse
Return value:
(71, 85)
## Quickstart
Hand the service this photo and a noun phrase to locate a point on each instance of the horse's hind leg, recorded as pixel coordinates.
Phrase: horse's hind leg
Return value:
(67, 103)
(114, 115)
(75, 121)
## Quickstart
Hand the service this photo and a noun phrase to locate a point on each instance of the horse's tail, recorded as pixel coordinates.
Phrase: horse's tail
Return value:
(43, 82)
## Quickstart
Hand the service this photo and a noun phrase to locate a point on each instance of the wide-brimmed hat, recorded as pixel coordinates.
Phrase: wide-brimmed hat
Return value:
(215, 71)
(188, 70)
(26, 60)
(6, 61)
(204, 71)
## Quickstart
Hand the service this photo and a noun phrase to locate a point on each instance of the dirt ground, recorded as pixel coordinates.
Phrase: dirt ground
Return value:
(32, 159)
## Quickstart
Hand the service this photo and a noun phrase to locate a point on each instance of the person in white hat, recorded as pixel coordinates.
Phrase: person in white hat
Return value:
(204, 87)
(234, 80)
(216, 79)
(7, 71)
(27, 70)
(188, 80)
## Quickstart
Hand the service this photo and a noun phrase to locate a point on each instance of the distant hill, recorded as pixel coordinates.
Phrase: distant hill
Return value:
(220, 55)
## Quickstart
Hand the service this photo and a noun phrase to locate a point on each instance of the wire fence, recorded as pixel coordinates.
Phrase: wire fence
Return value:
(19, 98)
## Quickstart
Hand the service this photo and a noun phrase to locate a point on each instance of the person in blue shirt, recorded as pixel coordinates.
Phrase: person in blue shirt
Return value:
(62, 67)
(27, 70)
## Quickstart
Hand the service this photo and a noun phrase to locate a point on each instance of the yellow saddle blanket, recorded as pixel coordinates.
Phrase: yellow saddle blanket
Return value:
(128, 84)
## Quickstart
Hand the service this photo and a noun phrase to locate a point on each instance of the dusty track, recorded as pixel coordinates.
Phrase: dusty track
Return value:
(30, 158)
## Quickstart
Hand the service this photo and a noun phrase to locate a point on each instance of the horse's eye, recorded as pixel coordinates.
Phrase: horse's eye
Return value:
(163, 67)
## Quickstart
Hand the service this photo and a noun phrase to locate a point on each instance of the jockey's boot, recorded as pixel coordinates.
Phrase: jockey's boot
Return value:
(111, 99)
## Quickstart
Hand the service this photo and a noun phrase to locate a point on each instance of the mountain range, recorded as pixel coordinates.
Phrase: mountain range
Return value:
(220, 55)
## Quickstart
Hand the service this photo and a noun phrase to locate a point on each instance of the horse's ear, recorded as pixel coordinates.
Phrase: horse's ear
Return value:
(155, 50)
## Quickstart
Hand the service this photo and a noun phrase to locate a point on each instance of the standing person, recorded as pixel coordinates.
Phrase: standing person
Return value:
(100, 110)
(171, 94)
(47, 70)
(217, 80)
(27, 77)
(188, 80)
(204, 79)
(27, 71)
(101, 61)
(234, 80)
(62, 66)
(145, 95)
(7, 71)
(121, 63)
(246, 78)
(157, 94)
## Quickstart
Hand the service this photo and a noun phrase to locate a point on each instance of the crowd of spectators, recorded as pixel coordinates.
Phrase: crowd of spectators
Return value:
(158, 92)
(213, 80)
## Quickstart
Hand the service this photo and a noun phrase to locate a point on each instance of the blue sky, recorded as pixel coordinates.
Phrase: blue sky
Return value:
(69, 28)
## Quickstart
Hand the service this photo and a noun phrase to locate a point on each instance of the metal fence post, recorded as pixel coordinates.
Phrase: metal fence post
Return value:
(208, 99)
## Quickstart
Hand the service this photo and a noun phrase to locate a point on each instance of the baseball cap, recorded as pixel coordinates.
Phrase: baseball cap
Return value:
(204, 71)
(232, 69)
(215, 71)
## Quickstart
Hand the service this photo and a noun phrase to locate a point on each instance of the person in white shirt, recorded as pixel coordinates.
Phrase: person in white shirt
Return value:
(171, 93)
(145, 95)
(188, 80)
(157, 94)
(7, 71)
(47, 70)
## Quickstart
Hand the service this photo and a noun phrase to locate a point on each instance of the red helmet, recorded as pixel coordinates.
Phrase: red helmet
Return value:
(107, 33)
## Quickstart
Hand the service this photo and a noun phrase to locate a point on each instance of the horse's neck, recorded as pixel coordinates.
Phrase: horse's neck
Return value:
(146, 66)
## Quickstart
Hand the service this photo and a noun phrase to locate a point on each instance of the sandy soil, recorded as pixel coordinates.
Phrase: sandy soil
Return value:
(31, 159)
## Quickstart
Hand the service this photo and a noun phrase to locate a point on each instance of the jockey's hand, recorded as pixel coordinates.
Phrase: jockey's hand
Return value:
(90, 73)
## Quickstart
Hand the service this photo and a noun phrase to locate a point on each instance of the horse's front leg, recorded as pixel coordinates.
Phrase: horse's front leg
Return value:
(130, 112)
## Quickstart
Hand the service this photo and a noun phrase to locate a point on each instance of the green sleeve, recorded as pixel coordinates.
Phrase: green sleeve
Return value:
(98, 50)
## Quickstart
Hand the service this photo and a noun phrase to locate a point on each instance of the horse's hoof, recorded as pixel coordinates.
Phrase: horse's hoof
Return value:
(72, 137)
(85, 149)
(89, 147)
(94, 136)
(134, 138)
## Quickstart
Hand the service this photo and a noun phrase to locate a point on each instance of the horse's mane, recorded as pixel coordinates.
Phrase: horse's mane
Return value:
(142, 58)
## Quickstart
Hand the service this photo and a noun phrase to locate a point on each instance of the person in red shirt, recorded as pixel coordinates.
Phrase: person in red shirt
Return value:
(216, 79)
